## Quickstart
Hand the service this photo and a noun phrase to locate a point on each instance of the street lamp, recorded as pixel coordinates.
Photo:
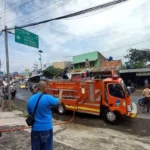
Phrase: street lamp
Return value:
(39, 52)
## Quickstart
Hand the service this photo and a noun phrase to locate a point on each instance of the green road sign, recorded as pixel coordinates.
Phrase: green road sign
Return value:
(25, 37)
(1, 73)
(40, 59)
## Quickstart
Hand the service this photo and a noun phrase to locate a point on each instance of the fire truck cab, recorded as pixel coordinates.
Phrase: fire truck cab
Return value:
(109, 98)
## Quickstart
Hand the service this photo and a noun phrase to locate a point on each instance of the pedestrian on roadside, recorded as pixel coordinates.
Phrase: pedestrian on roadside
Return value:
(129, 83)
(42, 129)
(146, 95)
(87, 66)
(146, 81)
(35, 89)
(26, 84)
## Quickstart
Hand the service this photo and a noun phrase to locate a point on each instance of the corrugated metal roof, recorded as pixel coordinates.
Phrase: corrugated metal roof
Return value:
(135, 70)
(143, 74)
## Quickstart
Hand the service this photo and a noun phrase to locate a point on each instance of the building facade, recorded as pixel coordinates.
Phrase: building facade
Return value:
(95, 60)
(136, 76)
(61, 65)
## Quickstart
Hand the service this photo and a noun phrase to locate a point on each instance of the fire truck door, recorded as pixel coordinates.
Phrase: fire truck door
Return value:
(116, 95)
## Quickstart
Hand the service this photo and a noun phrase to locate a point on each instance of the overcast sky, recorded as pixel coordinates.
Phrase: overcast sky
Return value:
(110, 31)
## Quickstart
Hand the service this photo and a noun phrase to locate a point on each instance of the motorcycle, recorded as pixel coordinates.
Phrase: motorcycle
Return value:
(141, 101)
(12, 90)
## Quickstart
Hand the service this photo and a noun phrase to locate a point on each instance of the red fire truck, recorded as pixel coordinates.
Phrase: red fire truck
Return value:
(109, 97)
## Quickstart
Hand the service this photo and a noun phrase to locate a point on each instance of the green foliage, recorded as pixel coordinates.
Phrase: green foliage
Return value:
(138, 58)
(52, 72)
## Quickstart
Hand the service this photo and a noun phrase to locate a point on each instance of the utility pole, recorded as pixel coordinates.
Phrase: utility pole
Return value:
(0, 65)
(7, 66)
(41, 61)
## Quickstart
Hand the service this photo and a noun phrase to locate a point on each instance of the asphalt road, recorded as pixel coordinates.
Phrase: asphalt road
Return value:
(130, 133)
(24, 95)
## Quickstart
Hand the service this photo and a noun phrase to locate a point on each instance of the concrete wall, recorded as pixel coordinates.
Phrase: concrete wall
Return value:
(61, 65)
(95, 59)
(101, 58)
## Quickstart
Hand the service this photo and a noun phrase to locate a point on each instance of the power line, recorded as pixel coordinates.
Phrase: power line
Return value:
(39, 28)
(8, 12)
(12, 4)
(5, 12)
(85, 16)
(102, 6)
(47, 12)
(73, 14)
(126, 46)
(78, 13)
(1, 32)
(34, 11)
(60, 5)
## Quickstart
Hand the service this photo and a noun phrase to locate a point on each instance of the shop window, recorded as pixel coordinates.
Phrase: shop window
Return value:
(92, 64)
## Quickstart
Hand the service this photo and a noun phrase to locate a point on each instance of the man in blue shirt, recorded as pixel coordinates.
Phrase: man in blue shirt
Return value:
(42, 129)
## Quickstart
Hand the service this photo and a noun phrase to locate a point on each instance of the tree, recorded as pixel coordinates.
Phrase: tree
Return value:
(52, 72)
(138, 58)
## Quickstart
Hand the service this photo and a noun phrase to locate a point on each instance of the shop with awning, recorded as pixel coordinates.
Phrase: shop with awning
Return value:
(137, 76)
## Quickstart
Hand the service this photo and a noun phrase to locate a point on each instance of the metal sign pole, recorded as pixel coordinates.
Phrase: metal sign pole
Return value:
(7, 66)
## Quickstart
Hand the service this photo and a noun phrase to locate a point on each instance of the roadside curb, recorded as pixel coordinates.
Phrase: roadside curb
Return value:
(139, 90)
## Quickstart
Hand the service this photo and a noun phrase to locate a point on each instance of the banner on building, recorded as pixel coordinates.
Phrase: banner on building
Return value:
(27, 72)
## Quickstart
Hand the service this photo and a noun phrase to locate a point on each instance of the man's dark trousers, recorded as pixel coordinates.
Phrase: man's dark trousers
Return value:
(42, 140)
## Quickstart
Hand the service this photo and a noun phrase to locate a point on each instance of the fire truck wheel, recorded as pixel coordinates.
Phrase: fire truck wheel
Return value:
(61, 109)
(111, 117)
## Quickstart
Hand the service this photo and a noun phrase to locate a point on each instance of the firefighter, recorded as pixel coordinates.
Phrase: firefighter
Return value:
(64, 74)
(87, 66)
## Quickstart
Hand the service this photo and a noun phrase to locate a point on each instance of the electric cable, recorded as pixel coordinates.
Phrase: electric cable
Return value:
(114, 49)
(12, 4)
(16, 8)
(73, 14)
(34, 11)
(52, 9)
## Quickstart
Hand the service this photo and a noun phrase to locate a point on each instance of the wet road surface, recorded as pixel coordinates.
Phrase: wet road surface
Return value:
(91, 132)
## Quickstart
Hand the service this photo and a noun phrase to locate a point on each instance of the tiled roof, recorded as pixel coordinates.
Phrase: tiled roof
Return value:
(106, 69)
(107, 66)
(112, 63)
